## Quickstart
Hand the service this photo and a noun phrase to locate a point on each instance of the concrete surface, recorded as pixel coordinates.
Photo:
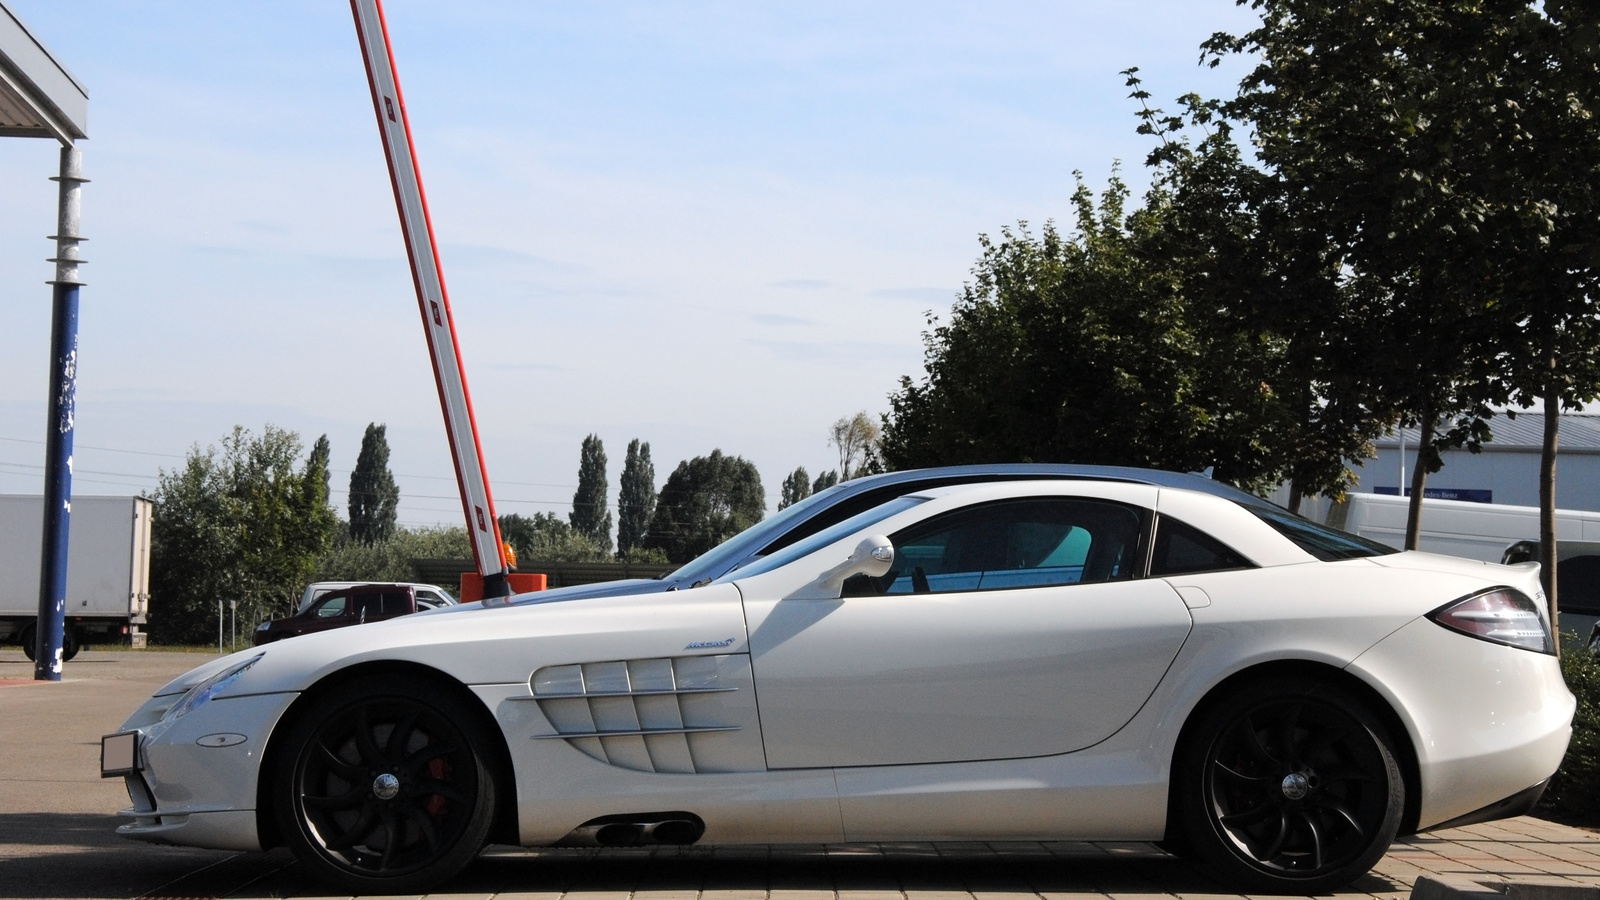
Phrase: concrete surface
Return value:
(57, 841)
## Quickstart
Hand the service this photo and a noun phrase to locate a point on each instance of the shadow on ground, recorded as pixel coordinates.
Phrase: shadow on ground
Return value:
(60, 855)
(78, 857)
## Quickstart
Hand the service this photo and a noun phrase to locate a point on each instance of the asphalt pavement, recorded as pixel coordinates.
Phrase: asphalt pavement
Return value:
(57, 840)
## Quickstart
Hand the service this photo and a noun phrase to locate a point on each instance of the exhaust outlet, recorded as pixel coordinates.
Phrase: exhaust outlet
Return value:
(637, 830)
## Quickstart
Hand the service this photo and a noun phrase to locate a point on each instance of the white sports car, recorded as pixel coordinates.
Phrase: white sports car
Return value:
(1014, 660)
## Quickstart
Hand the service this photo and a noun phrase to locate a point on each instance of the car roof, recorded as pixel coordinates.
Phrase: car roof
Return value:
(1027, 471)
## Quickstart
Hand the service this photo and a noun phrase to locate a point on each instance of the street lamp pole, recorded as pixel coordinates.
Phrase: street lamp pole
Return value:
(51, 624)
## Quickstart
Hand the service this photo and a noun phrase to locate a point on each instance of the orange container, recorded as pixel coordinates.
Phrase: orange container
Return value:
(521, 583)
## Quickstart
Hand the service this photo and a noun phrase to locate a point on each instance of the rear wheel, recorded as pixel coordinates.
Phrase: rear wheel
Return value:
(384, 786)
(1289, 786)
(69, 642)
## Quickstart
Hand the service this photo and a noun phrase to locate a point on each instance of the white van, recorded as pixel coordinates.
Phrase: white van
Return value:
(1456, 527)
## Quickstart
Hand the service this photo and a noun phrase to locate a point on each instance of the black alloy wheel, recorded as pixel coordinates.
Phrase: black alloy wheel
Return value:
(1289, 787)
(384, 786)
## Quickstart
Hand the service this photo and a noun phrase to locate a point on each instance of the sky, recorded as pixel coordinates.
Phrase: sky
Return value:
(701, 225)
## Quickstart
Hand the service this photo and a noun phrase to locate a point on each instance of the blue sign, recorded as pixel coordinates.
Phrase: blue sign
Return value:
(1470, 495)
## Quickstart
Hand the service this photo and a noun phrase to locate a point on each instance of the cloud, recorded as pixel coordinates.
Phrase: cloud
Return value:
(801, 284)
(523, 367)
(937, 295)
(262, 227)
(779, 321)
(467, 254)
(857, 352)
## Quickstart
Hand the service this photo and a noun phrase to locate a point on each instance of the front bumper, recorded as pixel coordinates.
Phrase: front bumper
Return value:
(196, 776)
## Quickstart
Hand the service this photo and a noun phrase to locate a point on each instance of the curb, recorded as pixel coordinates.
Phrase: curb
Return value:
(1460, 887)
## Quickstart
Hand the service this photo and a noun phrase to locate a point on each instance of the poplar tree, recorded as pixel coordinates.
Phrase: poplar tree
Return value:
(374, 497)
(591, 516)
(636, 498)
(796, 487)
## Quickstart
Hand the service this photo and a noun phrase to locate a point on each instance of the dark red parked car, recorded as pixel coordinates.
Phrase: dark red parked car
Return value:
(349, 606)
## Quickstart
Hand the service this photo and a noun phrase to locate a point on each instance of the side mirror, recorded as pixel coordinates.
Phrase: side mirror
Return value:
(873, 557)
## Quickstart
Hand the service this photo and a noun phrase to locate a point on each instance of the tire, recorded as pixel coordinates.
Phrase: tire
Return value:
(384, 785)
(69, 643)
(1288, 787)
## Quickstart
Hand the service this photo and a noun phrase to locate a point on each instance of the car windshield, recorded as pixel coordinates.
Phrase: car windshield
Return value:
(719, 559)
(1326, 544)
(827, 536)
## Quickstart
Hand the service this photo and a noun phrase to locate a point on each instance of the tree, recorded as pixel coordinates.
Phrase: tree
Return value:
(824, 481)
(591, 515)
(374, 497)
(856, 439)
(319, 519)
(1289, 379)
(705, 501)
(236, 522)
(796, 487)
(636, 498)
(1450, 149)
(1540, 133)
(543, 537)
(1084, 348)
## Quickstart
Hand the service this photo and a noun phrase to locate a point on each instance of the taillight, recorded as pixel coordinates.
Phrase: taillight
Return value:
(1502, 615)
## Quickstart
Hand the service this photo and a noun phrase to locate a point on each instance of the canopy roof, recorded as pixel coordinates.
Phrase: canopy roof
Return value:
(38, 96)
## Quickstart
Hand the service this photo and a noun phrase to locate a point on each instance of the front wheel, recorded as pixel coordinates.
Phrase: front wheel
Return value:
(1288, 786)
(384, 786)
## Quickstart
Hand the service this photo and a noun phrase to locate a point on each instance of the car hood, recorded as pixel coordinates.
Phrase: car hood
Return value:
(506, 644)
(586, 591)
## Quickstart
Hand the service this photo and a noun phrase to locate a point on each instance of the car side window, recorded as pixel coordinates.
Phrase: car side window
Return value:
(330, 607)
(1182, 549)
(1035, 542)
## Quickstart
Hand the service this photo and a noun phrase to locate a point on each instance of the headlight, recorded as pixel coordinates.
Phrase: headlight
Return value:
(264, 625)
(1502, 615)
(203, 691)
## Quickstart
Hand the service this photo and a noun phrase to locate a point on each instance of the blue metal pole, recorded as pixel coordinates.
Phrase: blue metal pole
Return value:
(50, 627)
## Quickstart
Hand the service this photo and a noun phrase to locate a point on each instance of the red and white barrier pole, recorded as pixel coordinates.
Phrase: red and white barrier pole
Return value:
(432, 299)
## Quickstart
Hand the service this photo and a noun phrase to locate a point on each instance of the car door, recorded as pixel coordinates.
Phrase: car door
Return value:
(334, 609)
(1007, 629)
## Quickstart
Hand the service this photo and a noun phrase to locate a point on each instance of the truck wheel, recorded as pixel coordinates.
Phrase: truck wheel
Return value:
(69, 643)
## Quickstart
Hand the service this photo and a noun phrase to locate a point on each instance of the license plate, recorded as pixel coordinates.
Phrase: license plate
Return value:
(119, 754)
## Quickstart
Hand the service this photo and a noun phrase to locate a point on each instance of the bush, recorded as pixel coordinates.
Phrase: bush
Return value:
(543, 537)
(390, 560)
(1574, 793)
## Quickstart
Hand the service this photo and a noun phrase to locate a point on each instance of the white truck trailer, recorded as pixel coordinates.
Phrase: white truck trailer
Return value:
(1455, 527)
(108, 569)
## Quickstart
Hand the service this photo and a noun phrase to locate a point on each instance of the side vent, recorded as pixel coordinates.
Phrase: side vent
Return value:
(649, 715)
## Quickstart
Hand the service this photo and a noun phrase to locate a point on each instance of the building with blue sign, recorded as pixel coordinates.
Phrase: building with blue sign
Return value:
(1507, 469)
